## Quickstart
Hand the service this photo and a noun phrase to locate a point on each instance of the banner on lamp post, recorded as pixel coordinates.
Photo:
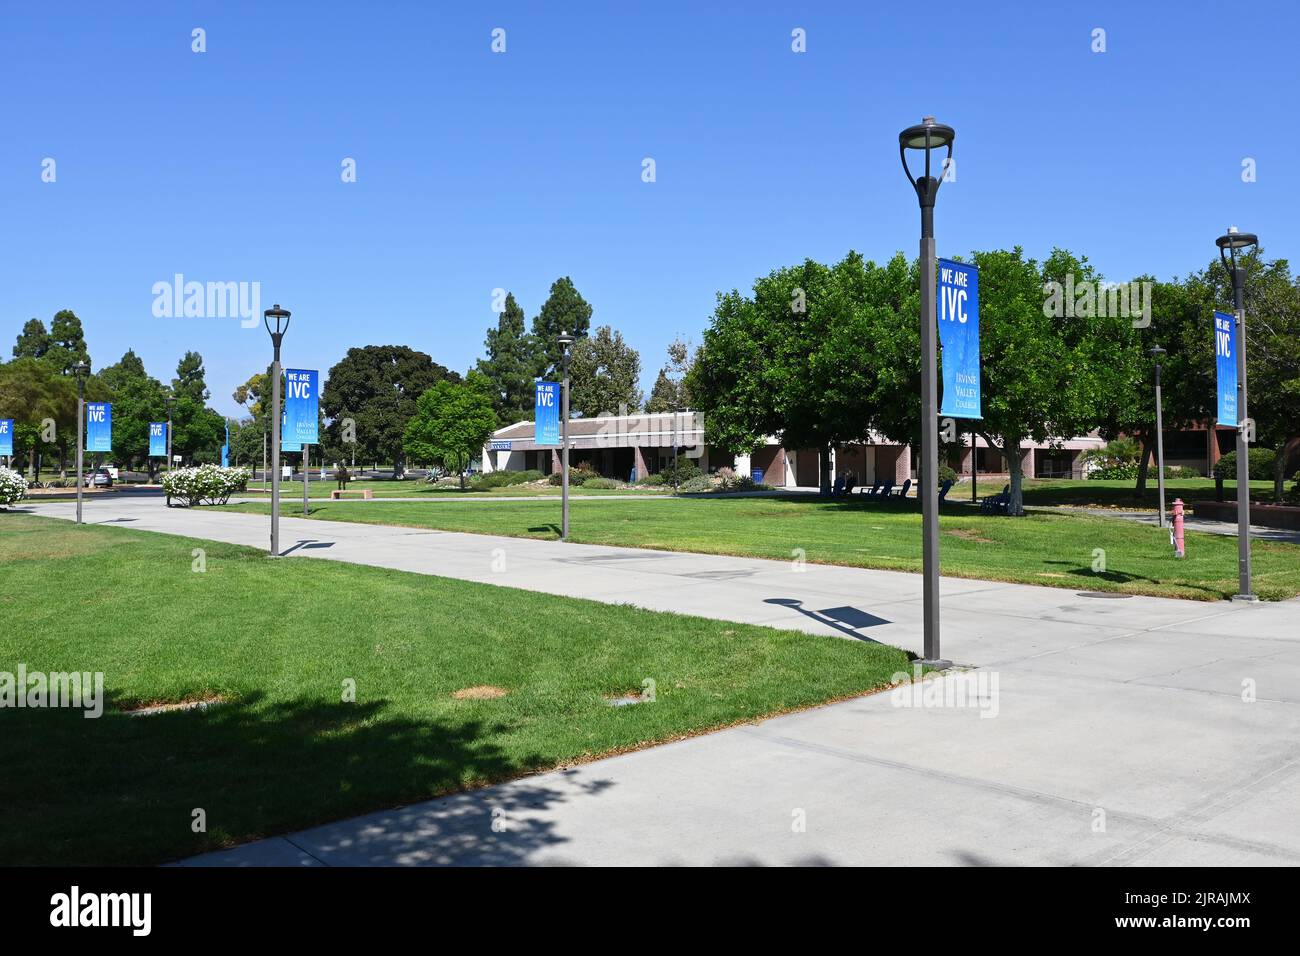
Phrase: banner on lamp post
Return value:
(99, 426)
(157, 439)
(959, 334)
(1225, 366)
(7, 437)
(546, 406)
(301, 409)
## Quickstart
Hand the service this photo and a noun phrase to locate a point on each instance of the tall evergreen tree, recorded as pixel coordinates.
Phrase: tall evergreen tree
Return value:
(189, 381)
(604, 374)
(565, 310)
(33, 340)
(67, 342)
(509, 365)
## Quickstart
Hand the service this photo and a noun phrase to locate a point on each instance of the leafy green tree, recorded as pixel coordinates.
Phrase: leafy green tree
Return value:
(33, 340)
(663, 396)
(67, 342)
(452, 422)
(138, 399)
(32, 391)
(189, 381)
(377, 387)
(565, 310)
(794, 358)
(671, 390)
(509, 364)
(604, 371)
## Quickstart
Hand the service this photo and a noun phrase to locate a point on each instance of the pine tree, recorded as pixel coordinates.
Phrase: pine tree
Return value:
(509, 365)
(565, 310)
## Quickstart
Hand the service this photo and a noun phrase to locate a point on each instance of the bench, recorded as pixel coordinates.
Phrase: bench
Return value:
(365, 493)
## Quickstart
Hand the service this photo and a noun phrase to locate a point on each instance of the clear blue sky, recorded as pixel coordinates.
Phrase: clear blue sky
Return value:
(478, 170)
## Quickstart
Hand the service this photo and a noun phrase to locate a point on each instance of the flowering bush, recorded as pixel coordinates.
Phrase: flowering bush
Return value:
(204, 485)
(13, 487)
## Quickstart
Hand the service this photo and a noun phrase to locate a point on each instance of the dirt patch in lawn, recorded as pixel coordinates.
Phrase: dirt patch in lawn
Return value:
(967, 535)
(480, 692)
(167, 707)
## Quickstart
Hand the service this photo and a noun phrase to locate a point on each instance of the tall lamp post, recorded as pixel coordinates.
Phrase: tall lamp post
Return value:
(1157, 353)
(1232, 245)
(281, 318)
(926, 137)
(80, 369)
(171, 403)
(565, 340)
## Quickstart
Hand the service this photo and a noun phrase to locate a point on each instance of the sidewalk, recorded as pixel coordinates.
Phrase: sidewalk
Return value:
(1127, 730)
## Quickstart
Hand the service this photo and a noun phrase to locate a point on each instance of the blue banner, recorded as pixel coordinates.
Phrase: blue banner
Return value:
(157, 439)
(285, 443)
(959, 334)
(1225, 364)
(301, 407)
(225, 449)
(546, 405)
(7, 436)
(99, 426)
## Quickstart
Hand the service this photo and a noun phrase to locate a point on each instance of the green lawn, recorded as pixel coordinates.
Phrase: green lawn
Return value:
(1119, 494)
(1042, 548)
(277, 639)
(420, 489)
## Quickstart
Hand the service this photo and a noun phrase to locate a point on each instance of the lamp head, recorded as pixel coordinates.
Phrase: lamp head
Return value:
(565, 340)
(1156, 352)
(926, 137)
(1232, 242)
(80, 368)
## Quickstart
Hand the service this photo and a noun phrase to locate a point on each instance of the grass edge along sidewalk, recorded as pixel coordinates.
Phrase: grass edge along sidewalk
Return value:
(277, 642)
(1049, 548)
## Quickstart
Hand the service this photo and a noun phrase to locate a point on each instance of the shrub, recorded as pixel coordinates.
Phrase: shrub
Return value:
(682, 473)
(578, 475)
(601, 483)
(1293, 494)
(696, 485)
(947, 473)
(1120, 471)
(206, 484)
(502, 479)
(651, 481)
(1261, 465)
(13, 487)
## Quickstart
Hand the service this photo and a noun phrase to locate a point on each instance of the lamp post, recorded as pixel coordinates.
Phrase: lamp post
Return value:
(171, 402)
(281, 318)
(1230, 245)
(80, 369)
(926, 137)
(565, 340)
(1157, 353)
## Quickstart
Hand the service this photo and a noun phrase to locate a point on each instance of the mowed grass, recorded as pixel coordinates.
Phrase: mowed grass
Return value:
(415, 488)
(278, 640)
(1076, 551)
(1100, 493)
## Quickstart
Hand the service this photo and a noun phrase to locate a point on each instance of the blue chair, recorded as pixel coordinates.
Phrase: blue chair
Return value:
(945, 488)
(907, 486)
(866, 492)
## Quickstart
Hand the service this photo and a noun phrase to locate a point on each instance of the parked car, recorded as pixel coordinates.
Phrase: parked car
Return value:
(100, 478)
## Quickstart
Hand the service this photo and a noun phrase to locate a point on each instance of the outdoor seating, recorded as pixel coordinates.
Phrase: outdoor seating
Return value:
(996, 504)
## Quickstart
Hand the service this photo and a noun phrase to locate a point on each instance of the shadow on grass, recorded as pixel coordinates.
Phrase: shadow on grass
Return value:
(1123, 577)
(123, 790)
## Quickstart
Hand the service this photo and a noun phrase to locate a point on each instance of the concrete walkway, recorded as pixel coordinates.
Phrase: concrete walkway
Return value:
(1107, 730)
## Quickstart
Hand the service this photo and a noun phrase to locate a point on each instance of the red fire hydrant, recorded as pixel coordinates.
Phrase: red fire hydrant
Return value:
(1176, 535)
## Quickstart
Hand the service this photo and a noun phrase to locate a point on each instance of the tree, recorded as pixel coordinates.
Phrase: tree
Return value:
(33, 340)
(671, 390)
(377, 387)
(138, 399)
(604, 371)
(564, 310)
(67, 342)
(1042, 377)
(31, 392)
(189, 381)
(509, 365)
(793, 360)
(452, 422)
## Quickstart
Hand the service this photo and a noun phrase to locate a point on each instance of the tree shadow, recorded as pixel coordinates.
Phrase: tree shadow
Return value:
(122, 789)
(1125, 577)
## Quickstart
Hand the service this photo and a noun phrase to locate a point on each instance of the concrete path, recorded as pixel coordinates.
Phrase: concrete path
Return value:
(1096, 730)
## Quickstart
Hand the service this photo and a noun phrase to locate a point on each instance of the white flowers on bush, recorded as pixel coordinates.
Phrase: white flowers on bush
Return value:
(13, 487)
(206, 484)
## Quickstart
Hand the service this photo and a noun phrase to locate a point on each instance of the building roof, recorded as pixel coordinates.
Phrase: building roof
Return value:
(616, 431)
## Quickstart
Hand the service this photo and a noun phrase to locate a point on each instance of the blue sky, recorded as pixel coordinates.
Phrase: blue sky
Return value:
(478, 170)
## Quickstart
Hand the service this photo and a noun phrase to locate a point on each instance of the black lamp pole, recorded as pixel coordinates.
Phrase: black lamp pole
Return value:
(565, 340)
(926, 137)
(1230, 245)
(79, 369)
(281, 319)
(1157, 353)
